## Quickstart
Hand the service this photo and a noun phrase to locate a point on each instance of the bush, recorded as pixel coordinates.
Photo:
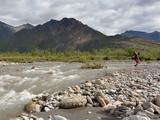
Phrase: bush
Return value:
(92, 66)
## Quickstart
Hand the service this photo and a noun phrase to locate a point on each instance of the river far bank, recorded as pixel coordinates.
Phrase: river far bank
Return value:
(128, 94)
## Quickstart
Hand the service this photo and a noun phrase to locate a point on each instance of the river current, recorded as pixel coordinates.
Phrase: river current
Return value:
(20, 83)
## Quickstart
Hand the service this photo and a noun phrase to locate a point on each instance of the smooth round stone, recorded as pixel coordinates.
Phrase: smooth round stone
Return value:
(89, 105)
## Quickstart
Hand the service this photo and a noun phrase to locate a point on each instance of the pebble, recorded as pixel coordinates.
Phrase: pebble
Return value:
(130, 95)
(89, 112)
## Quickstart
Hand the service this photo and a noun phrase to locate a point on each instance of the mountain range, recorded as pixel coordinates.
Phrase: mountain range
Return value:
(8, 30)
(150, 36)
(63, 34)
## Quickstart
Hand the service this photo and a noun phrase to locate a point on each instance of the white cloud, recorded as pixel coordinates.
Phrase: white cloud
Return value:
(108, 16)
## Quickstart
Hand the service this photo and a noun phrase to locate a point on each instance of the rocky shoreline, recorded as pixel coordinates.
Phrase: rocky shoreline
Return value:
(3, 63)
(127, 94)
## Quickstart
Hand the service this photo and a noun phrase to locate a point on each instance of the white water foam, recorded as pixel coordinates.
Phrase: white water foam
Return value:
(8, 79)
(29, 71)
(25, 79)
(12, 97)
(2, 89)
(62, 78)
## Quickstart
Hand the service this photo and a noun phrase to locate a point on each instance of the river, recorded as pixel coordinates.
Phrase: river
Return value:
(20, 83)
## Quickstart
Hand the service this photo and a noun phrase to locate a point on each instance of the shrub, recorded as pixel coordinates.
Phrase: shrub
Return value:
(92, 66)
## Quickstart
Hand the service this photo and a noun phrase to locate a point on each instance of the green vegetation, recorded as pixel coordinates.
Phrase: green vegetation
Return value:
(73, 55)
(92, 66)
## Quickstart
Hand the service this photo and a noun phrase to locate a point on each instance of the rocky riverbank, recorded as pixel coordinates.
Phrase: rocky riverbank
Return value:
(3, 63)
(127, 94)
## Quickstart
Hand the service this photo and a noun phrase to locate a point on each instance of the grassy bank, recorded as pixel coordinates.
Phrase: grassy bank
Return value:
(73, 55)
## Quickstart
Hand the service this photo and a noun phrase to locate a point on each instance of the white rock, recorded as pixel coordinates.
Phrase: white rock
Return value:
(46, 109)
(136, 117)
(58, 117)
(89, 112)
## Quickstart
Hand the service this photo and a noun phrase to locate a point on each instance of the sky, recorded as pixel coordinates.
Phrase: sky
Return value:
(107, 16)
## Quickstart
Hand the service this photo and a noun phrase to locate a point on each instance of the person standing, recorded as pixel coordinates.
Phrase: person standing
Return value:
(136, 58)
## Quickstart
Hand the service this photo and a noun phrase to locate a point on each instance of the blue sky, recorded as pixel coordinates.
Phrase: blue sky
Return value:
(107, 16)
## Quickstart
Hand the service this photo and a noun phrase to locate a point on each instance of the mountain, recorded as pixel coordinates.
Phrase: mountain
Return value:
(8, 30)
(69, 32)
(150, 36)
(24, 26)
(53, 34)
(5, 30)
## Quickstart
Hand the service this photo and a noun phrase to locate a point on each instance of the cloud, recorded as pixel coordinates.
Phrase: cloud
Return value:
(107, 16)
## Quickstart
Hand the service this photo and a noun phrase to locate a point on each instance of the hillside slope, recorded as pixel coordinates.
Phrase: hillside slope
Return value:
(70, 32)
(8, 30)
(150, 36)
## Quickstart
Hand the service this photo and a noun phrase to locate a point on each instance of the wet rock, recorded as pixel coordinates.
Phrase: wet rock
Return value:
(39, 119)
(89, 112)
(102, 97)
(130, 112)
(33, 67)
(44, 96)
(121, 110)
(29, 107)
(96, 104)
(89, 105)
(55, 103)
(157, 100)
(70, 90)
(149, 105)
(101, 101)
(49, 98)
(155, 108)
(151, 115)
(151, 110)
(136, 117)
(128, 103)
(50, 72)
(142, 114)
(37, 108)
(40, 102)
(134, 93)
(138, 108)
(77, 87)
(35, 99)
(89, 100)
(88, 84)
(18, 118)
(146, 105)
(73, 102)
(107, 86)
(46, 109)
(86, 93)
(109, 108)
(98, 82)
(117, 103)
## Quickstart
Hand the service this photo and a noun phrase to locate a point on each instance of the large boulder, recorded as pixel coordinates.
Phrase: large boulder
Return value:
(30, 107)
(73, 102)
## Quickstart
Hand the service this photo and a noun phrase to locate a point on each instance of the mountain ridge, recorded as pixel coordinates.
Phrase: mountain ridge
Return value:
(150, 36)
(58, 34)
(8, 30)
(67, 32)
